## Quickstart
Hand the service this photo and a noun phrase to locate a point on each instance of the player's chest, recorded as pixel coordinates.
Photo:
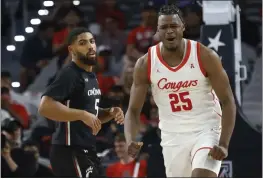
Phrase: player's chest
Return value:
(165, 80)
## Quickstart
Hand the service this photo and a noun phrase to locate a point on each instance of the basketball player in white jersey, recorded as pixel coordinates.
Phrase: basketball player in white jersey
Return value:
(187, 82)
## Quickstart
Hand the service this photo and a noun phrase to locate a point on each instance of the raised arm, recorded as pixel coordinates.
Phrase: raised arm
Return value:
(220, 83)
(137, 97)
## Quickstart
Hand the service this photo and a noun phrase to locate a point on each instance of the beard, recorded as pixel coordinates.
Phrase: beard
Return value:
(85, 59)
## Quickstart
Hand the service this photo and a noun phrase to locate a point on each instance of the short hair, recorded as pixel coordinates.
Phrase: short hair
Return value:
(5, 74)
(72, 36)
(170, 10)
(120, 138)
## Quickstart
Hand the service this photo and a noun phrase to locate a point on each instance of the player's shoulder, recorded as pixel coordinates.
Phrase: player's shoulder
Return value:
(68, 72)
(142, 62)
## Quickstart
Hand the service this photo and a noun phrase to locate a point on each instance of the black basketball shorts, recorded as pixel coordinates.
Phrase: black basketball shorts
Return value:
(68, 161)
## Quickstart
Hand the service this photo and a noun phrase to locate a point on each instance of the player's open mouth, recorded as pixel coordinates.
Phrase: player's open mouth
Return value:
(170, 39)
(91, 54)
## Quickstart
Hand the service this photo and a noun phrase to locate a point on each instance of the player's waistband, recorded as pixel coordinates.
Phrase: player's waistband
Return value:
(188, 126)
(88, 150)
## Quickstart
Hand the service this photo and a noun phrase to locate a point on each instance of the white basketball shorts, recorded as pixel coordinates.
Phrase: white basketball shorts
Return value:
(184, 152)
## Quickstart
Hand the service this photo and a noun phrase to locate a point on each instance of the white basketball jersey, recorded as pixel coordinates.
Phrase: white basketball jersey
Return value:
(183, 94)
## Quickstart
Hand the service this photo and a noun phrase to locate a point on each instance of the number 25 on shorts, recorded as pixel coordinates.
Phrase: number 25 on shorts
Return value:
(183, 98)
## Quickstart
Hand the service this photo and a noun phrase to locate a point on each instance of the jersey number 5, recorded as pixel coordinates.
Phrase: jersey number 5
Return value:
(180, 97)
(97, 106)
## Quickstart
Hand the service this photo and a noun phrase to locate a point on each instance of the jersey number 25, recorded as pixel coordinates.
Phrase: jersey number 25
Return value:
(180, 98)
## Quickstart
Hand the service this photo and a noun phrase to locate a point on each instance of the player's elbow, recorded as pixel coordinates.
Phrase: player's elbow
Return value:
(44, 106)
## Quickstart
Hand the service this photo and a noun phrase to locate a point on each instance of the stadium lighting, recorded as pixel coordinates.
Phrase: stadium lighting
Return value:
(15, 84)
(10, 48)
(43, 12)
(48, 3)
(76, 2)
(29, 29)
(35, 21)
(19, 38)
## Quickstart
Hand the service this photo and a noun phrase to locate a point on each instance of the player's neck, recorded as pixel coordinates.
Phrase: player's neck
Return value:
(126, 159)
(179, 52)
(85, 67)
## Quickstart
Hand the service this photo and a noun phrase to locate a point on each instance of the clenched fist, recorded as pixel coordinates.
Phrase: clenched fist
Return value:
(218, 152)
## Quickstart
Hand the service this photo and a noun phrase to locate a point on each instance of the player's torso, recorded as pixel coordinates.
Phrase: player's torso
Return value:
(85, 97)
(183, 94)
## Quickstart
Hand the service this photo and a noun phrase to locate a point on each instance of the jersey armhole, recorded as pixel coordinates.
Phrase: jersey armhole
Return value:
(149, 64)
(199, 60)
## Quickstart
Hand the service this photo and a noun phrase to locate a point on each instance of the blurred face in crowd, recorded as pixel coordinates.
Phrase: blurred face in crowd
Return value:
(149, 17)
(110, 3)
(111, 25)
(14, 138)
(170, 31)
(193, 22)
(6, 82)
(84, 49)
(120, 149)
(116, 97)
(72, 20)
(191, 18)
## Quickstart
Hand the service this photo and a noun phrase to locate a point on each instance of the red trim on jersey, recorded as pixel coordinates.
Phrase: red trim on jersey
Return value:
(183, 62)
(199, 60)
(67, 129)
(149, 64)
(75, 166)
(218, 114)
(199, 150)
(214, 99)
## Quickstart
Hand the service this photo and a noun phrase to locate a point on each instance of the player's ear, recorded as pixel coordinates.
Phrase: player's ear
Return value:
(70, 49)
(183, 28)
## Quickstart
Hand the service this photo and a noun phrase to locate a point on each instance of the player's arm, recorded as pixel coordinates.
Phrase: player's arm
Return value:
(137, 97)
(220, 83)
(50, 106)
(107, 114)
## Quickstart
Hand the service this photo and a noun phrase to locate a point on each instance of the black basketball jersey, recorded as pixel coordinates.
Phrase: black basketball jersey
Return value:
(77, 89)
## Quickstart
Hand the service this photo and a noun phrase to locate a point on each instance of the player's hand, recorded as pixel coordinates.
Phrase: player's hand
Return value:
(218, 152)
(93, 122)
(134, 148)
(118, 115)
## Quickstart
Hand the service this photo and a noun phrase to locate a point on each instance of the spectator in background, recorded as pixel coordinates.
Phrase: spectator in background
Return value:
(13, 109)
(67, 18)
(16, 161)
(105, 81)
(141, 38)
(36, 53)
(107, 9)
(113, 37)
(126, 166)
(16, 97)
(192, 14)
(152, 149)
(114, 97)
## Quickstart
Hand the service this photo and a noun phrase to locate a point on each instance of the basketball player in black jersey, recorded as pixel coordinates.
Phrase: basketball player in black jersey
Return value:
(72, 100)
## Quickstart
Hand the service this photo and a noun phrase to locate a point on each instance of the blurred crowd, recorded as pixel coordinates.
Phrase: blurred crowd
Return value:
(26, 136)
